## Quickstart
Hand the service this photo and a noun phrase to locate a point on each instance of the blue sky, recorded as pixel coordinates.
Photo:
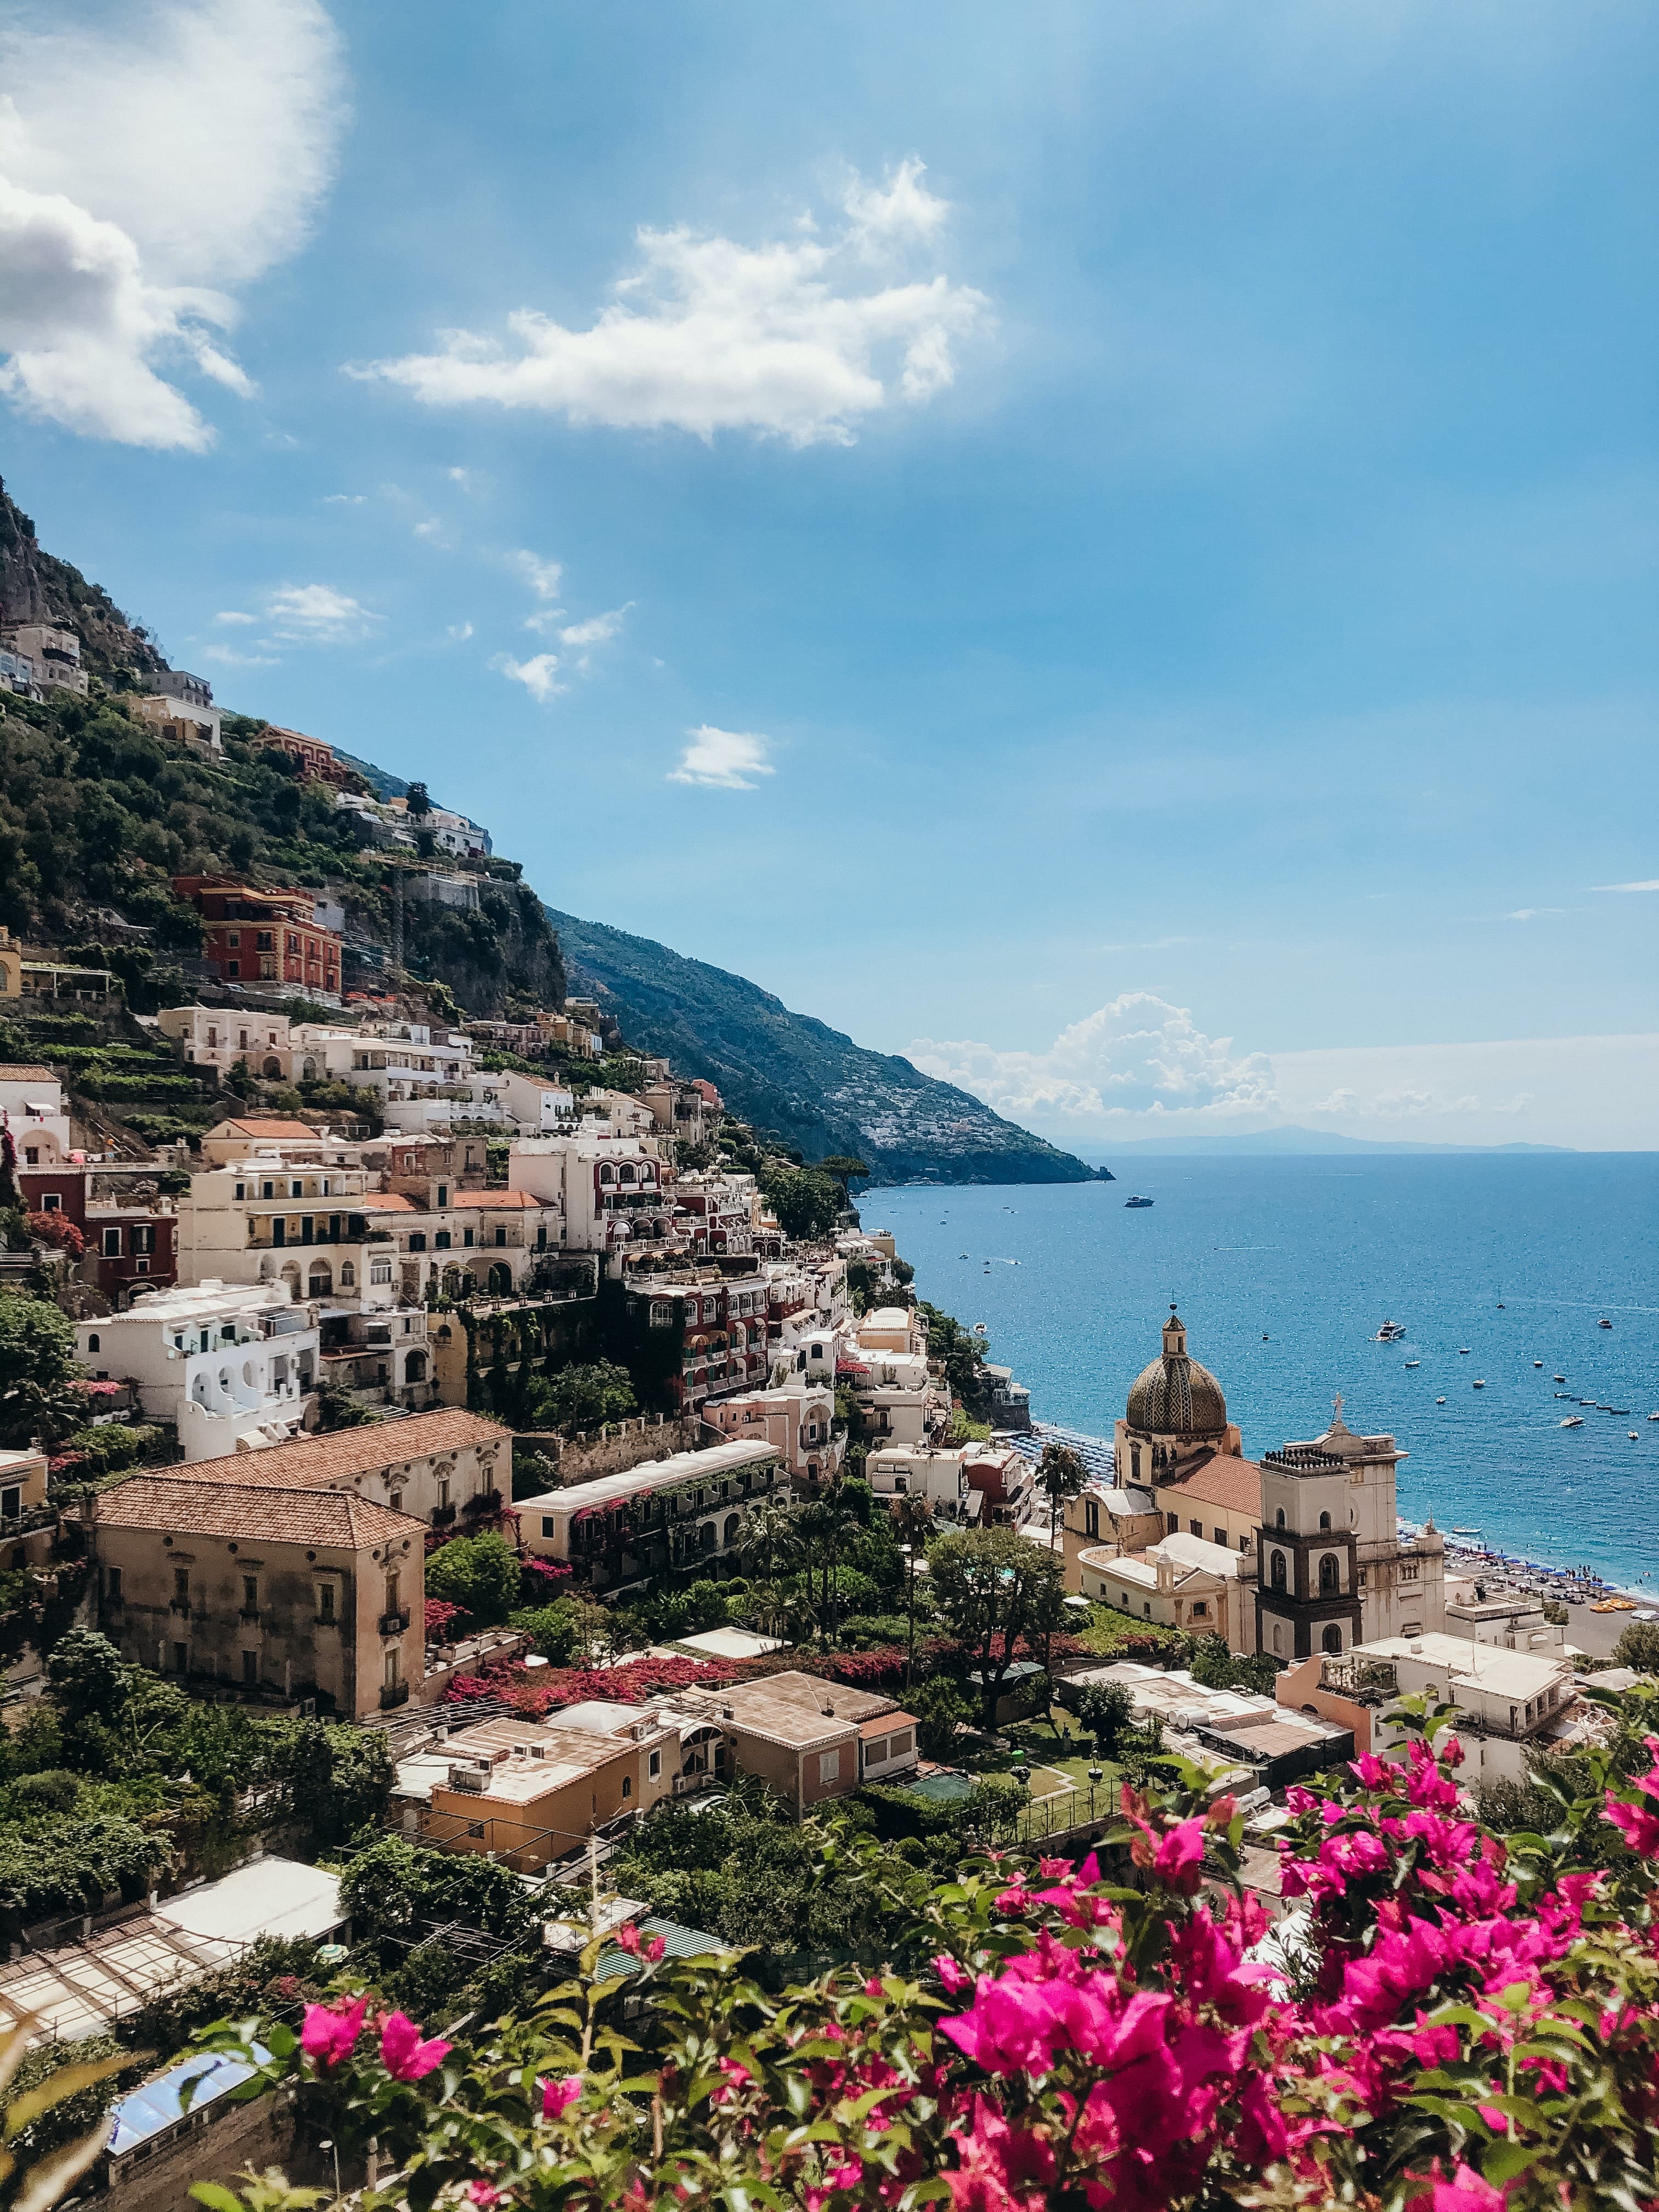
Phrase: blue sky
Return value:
(1111, 548)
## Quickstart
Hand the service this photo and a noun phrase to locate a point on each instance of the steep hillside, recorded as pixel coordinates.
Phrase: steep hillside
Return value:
(97, 813)
(37, 586)
(797, 1078)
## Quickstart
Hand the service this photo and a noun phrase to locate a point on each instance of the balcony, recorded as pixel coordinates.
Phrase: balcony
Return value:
(393, 1695)
(251, 1614)
(394, 1624)
(442, 1516)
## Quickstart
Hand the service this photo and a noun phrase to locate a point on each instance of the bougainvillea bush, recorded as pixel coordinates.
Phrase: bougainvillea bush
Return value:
(1452, 2020)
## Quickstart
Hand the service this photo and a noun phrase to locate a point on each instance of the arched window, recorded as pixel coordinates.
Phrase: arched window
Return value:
(1278, 1518)
(1279, 1571)
(91, 1342)
(1329, 1575)
(347, 1275)
(607, 1175)
(628, 1787)
(1332, 1639)
(1279, 1641)
(415, 1368)
(1324, 1521)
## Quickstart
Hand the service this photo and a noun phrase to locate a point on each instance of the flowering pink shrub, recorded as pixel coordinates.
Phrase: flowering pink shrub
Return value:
(58, 1231)
(545, 1570)
(1465, 2022)
(441, 1618)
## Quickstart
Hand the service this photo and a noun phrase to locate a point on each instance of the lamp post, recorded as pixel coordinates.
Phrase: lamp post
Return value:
(909, 1552)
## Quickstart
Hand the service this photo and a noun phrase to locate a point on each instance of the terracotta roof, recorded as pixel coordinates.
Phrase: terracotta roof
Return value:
(278, 1127)
(252, 1512)
(11, 1073)
(389, 1201)
(1219, 1479)
(316, 1462)
(513, 1198)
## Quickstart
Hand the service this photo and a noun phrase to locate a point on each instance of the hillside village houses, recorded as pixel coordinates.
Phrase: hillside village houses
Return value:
(231, 1367)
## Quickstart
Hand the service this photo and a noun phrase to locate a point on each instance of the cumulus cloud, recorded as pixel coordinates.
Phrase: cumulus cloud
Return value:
(538, 676)
(1651, 884)
(597, 629)
(1137, 1055)
(460, 631)
(316, 614)
(1411, 1103)
(234, 614)
(729, 760)
(796, 340)
(117, 264)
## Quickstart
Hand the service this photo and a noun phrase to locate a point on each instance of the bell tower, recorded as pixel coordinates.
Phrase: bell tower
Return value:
(1307, 1596)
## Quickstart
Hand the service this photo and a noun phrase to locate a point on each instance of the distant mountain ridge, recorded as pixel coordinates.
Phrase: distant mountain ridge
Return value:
(797, 1078)
(1293, 1142)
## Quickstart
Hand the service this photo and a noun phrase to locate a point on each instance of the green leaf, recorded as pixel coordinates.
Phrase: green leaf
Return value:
(217, 2198)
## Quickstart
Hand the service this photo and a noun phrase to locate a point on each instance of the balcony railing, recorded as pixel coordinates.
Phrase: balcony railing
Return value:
(393, 1623)
(442, 1516)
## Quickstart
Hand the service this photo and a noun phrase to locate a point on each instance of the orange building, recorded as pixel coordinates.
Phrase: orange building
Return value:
(253, 937)
(315, 759)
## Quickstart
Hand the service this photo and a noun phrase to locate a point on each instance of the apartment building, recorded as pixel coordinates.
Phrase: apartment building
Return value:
(714, 1212)
(211, 1036)
(1103, 1517)
(253, 937)
(436, 1467)
(531, 1793)
(809, 1740)
(935, 1471)
(1180, 1581)
(536, 1106)
(213, 1577)
(1509, 1704)
(798, 1423)
(32, 1102)
(230, 1366)
(671, 1517)
(294, 1217)
(614, 1194)
(181, 720)
(54, 651)
(314, 760)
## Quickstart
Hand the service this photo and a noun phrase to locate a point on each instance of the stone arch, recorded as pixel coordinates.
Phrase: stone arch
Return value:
(1279, 1576)
(322, 1280)
(733, 1526)
(501, 1280)
(1332, 1639)
(1278, 1518)
(291, 1277)
(1330, 1575)
(1324, 1523)
(415, 1368)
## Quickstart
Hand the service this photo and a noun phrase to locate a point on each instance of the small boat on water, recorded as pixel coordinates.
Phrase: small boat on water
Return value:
(1390, 1333)
(1635, 1436)
(1573, 1421)
(1413, 1363)
(1439, 1401)
(1604, 1322)
(1537, 1362)
(1558, 1378)
(1480, 1386)
(1137, 1201)
(1466, 1532)
(1463, 1351)
(1653, 1417)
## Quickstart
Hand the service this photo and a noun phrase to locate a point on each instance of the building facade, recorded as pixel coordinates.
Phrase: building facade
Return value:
(255, 937)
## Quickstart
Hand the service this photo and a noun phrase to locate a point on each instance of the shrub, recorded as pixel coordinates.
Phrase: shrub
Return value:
(480, 1574)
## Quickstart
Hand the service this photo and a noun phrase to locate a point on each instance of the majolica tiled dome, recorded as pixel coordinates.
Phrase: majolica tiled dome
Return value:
(1174, 1396)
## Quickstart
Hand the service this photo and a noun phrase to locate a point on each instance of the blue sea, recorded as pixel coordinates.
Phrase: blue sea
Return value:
(1283, 1270)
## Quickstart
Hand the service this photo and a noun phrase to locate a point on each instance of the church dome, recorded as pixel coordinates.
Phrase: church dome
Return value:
(1174, 1396)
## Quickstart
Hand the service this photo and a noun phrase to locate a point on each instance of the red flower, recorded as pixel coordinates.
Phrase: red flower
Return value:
(329, 2032)
(403, 2053)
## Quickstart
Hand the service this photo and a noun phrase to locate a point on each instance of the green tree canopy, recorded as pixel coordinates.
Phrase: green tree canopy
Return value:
(1638, 1647)
(807, 1201)
(481, 1574)
(36, 1363)
(994, 1587)
(581, 1396)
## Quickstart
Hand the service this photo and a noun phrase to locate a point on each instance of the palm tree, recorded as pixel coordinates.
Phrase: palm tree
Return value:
(770, 1542)
(823, 1526)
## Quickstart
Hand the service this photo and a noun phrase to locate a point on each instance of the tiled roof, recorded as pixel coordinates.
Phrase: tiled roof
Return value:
(389, 1201)
(252, 1512)
(278, 1128)
(316, 1462)
(14, 1074)
(513, 1198)
(1222, 1479)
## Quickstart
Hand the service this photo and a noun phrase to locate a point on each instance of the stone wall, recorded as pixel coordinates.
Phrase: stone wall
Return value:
(616, 1447)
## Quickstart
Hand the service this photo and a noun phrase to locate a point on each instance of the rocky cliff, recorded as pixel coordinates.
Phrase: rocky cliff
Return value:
(36, 586)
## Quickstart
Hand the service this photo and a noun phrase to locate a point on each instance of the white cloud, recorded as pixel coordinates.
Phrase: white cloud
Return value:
(542, 576)
(460, 631)
(1138, 1056)
(430, 531)
(1651, 884)
(597, 629)
(316, 614)
(1533, 913)
(118, 259)
(231, 615)
(537, 676)
(1595, 1091)
(727, 759)
(227, 657)
(790, 340)
(343, 498)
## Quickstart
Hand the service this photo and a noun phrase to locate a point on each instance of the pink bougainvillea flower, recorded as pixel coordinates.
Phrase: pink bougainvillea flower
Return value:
(1465, 2192)
(404, 2054)
(558, 2096)
(1178, 1855)
(481, 2193)
(329, 2032)
(628, 1939)
(953, 1976)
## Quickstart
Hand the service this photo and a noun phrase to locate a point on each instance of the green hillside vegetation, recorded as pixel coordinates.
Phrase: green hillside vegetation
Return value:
(796, 1077)
(96, 811)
